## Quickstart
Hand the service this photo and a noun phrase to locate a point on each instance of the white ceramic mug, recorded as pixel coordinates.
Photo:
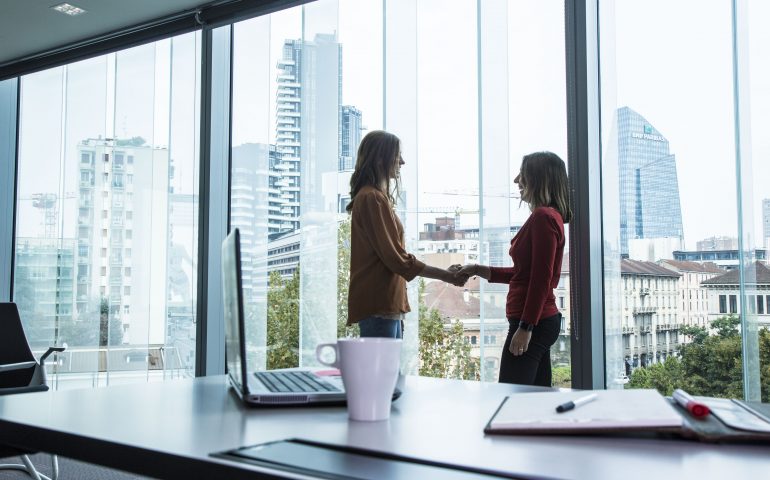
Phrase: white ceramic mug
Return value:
(369, 368)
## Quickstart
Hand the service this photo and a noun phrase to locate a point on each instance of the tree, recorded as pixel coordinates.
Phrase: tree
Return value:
(92, 330)
(343, 280)
(727, 327)
(443, 350)
(696, 333)
(283, 321)
(561, 377)
(710, 366)
(664, 377)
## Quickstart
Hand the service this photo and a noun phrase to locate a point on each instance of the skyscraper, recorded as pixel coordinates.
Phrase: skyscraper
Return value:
(308, 142)
(288, 133)
(350, 136)
(252, 208)
(649, 189)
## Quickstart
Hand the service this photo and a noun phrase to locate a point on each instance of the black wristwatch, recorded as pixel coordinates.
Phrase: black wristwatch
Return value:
(526, 326)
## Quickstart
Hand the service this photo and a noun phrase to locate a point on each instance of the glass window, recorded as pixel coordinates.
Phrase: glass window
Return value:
(664, 156)
(140, 104)
(723, 304)
(310, 81)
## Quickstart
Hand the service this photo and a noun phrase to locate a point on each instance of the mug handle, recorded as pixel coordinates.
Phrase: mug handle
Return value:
(336, 362)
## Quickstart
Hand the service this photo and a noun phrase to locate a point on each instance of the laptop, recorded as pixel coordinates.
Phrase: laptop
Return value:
(299, 386)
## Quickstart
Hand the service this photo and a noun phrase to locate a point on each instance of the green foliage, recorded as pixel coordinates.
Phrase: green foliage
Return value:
(91, 330)
(94, 328)
(697, 334)
(443, 350)
(283, 321)
(561, 377)
(727, 327)
(710, 366)
(664, 377)
(343, 280)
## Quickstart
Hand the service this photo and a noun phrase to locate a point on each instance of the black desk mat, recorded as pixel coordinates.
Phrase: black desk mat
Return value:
(337, 462)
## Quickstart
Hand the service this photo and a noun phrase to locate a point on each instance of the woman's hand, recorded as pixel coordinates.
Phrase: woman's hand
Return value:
(519, 342)
(475, 270)
(456, 276)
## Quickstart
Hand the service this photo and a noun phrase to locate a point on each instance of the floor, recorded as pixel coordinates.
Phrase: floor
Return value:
(68, 470)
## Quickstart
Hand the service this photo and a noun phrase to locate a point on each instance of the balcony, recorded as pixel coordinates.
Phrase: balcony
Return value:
(645, 310)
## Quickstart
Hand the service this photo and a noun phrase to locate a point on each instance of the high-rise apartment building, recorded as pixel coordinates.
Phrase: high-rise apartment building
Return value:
(350, 136)
(288, 133)
(649, 191)
(307, 99)
(254, 209)
(43, 284)
(118, 189)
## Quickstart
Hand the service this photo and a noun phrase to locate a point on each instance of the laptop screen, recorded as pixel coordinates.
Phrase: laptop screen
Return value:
(232, 298)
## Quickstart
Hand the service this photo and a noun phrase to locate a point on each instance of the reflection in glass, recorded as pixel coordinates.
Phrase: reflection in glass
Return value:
(105, 239)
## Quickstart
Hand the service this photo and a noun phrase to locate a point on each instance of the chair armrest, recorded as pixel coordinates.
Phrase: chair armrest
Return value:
(49, 352)
(16, 366)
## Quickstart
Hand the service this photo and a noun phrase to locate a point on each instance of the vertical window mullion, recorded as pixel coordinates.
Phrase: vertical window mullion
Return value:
(586, 255)
(214, 196)
(9, 101)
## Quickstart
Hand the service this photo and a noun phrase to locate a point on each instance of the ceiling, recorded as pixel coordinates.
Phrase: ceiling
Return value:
(28, 27)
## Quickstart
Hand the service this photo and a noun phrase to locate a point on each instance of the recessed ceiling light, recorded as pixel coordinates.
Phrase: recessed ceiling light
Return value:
(68, 9)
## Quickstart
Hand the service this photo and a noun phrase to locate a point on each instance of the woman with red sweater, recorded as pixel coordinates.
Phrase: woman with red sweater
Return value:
(537, 249)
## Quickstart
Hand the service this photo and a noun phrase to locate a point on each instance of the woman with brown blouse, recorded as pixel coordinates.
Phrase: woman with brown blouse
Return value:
(380, 266)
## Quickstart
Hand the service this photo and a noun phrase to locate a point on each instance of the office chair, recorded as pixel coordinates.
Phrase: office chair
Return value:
(20, 373)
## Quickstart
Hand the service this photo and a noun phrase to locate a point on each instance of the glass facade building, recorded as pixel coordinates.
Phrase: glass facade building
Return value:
(649, 190)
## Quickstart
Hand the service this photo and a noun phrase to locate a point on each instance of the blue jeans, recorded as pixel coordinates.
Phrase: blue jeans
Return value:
(381, 327)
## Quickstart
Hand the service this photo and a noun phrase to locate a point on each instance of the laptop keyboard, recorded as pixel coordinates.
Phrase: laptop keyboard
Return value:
(294, 382)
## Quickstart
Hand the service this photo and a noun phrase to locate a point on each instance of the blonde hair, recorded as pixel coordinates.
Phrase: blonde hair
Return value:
(545, 180)
(376, 165)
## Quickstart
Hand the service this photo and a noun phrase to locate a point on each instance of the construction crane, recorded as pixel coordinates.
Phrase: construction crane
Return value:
(48, 203)
(472, 193)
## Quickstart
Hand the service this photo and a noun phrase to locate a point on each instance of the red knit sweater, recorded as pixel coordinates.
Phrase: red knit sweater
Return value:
(536, 251)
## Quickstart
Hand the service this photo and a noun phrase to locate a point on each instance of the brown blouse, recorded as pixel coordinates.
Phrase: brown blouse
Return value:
(380, 266)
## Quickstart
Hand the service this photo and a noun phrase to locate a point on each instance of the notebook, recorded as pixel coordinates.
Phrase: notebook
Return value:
(284, 387)
(636, 412)
(611, 410)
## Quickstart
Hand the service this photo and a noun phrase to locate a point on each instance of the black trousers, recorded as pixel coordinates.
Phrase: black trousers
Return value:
(534, 366)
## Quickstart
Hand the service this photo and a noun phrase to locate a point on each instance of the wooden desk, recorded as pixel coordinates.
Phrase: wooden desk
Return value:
(168, 430)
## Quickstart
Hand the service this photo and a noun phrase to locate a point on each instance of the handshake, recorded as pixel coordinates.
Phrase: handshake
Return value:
(457, 274)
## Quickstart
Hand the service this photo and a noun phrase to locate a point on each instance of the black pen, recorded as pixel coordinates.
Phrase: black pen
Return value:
(566, 407)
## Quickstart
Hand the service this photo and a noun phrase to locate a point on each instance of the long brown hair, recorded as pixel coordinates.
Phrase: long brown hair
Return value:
(377, 165)
(545, 181)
